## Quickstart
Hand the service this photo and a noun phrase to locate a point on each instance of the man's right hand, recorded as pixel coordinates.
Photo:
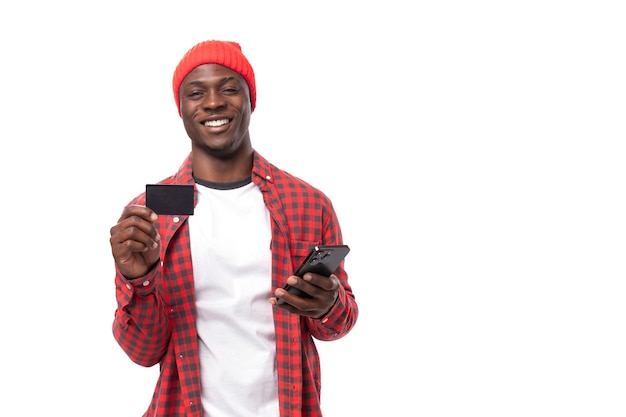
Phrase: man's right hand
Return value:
(135, 243)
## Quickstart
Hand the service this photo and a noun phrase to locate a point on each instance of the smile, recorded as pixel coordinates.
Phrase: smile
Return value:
(216, 123)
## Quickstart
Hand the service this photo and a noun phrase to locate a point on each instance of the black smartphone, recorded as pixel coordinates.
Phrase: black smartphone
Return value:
(322, 260)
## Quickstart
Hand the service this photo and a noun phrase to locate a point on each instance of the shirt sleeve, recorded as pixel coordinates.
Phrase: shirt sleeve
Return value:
(140, 324)
(338, 321)
(343, 315)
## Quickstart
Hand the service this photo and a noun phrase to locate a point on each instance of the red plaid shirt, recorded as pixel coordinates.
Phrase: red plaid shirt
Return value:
(155, 317)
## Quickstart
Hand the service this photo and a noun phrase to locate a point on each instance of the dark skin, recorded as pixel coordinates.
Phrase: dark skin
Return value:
(215, 108)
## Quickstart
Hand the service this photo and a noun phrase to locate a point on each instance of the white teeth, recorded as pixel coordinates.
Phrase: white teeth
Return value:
(215, 123)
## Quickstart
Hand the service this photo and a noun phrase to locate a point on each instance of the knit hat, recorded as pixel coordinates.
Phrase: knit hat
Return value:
(224, 53)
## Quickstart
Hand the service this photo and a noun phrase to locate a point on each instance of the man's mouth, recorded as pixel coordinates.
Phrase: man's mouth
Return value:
(216, 123)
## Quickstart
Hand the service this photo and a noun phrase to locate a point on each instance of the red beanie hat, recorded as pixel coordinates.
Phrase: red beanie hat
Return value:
(223, 53)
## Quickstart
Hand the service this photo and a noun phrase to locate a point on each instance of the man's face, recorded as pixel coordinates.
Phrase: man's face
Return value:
(215, 107)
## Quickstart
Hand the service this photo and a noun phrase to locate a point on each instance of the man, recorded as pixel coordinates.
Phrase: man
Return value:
(198, 294)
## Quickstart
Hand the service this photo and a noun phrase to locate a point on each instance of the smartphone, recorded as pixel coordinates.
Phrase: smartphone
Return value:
(322, 260)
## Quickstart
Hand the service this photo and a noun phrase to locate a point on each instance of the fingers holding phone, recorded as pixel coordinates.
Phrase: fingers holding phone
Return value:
(313, 289)
(311, 296)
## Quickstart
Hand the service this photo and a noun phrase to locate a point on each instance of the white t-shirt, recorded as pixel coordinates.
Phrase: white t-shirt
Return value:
(230, 249)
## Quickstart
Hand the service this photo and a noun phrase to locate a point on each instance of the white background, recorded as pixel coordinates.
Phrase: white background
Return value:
(473, 151)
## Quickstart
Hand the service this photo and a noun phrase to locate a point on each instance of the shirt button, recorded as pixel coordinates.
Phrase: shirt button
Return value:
(129, 286)
(176, 219)
(324, 320)
(268, 177)
(146, 283)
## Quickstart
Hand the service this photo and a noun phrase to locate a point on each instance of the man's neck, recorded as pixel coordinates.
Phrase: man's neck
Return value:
(218, 170)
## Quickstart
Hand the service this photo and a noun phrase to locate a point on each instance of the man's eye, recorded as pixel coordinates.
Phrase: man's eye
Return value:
(195, 93)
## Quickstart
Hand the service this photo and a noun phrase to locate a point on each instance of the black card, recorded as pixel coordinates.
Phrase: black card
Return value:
(170, 199)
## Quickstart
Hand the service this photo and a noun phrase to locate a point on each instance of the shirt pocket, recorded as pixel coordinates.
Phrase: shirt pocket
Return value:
(299, 250)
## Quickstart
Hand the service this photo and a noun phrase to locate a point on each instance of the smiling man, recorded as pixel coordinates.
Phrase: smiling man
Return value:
(198, 294)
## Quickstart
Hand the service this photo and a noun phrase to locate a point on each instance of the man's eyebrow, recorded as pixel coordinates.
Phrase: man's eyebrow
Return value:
(222, 81)
(226, 79)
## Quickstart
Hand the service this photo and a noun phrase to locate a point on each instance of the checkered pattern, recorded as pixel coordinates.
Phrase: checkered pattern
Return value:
(155, 318)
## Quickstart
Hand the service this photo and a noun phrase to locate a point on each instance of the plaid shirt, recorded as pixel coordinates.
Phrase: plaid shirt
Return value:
(155, 316)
